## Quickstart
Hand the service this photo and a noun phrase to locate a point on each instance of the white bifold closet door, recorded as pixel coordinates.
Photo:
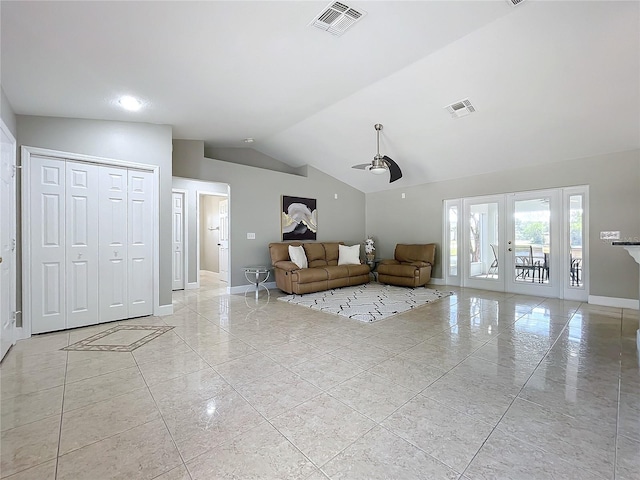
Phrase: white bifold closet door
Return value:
(140, 243)
(113, 243)
(47, 222)
(91, 243)
(81, 238)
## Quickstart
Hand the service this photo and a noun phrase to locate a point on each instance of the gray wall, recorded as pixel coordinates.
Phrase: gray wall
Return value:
(192, 187)
(6, 111)
(255, 202)
(251, 157)
(209, 218)
(132, 142)
(614, 201)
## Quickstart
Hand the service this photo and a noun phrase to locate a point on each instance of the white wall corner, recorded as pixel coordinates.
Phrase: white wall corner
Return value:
(163, 310)
(614, 302)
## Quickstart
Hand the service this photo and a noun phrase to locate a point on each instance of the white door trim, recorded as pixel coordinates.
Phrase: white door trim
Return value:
(26, 153)
(16, 332)
(185, 233)
(200, 193)
(560, 221)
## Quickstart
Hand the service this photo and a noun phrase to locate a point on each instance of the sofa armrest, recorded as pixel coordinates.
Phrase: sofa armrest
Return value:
(417, 264)
(286, 265)
(389, 261)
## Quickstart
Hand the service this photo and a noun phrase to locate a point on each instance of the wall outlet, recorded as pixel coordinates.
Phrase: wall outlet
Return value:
(403, 195)
(251, 236)
(335, 196)
(609, 235)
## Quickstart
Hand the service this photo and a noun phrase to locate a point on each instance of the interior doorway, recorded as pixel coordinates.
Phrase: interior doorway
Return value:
(212, 239)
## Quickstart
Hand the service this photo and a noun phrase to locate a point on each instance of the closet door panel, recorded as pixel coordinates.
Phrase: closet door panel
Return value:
(140, 243)
(81, 244)
(47, 224)
(112, 250)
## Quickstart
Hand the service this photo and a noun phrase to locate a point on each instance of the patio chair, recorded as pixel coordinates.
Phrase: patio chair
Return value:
(493, 269)
(525, 268)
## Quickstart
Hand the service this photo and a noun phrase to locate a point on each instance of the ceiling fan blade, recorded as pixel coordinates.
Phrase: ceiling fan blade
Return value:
(362, 166)
(394, 169)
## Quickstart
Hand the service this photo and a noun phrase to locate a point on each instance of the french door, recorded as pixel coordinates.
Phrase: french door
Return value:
(528, 242)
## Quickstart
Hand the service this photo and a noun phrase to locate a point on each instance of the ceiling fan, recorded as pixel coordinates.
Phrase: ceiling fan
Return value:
(381, 163)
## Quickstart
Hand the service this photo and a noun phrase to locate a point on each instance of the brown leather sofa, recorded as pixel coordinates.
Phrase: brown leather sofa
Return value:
(411, 266)
(323, 273)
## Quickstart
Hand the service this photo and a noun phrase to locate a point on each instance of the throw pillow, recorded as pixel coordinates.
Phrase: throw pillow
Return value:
(297, 256)
(349, 255)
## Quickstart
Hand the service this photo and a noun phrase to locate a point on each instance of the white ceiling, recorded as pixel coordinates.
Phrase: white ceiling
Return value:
(550, 80)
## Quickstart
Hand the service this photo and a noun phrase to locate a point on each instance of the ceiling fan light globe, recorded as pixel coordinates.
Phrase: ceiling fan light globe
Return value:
(378, 170)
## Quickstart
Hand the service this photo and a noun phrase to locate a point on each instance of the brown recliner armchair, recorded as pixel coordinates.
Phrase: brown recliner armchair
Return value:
(411, 266)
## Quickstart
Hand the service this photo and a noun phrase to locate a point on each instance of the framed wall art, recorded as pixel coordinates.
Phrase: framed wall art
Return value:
(299, 218)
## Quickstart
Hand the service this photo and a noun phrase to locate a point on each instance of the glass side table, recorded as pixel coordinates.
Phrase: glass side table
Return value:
(254, 273)
(373, 266)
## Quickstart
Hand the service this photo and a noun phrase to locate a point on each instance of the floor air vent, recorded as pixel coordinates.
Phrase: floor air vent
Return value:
(461, 108)
(336, 18)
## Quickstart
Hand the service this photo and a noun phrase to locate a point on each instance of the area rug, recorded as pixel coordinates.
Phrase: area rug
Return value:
(369, 302)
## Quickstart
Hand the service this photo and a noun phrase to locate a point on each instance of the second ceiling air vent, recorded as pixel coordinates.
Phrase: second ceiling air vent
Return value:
(336, 18)
(461, 108)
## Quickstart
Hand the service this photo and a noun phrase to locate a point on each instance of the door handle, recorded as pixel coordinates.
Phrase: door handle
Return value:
(1, 257)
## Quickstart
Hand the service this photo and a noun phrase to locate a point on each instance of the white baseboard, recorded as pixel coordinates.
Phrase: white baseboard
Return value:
(19, 333)
(193, 285)
(163, 310)
(243, 288)
(614, 302)
(436, 281)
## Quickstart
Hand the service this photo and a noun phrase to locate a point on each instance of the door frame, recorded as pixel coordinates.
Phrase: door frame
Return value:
(200, 193)
(564, 288)
(26, 153)
(185, 235)
(16, 332)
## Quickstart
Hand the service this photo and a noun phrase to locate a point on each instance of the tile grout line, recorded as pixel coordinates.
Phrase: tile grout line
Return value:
(516, 397)
(64, 389)
(615, 447)
(163, 421)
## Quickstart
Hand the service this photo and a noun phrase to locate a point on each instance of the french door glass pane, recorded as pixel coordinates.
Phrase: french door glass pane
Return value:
(575, 240)
(453, 241)
(483, 240)
(532, 245)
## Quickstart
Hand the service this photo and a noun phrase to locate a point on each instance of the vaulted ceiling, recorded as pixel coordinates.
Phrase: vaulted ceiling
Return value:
(550, 80)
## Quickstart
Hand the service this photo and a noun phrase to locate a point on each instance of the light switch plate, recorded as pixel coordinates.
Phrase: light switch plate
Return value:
(251, 236)
(609, 235)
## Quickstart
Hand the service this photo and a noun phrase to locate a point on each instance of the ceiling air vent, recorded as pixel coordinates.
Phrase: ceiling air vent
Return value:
(336, 18)
(513, 3)
(461, 108)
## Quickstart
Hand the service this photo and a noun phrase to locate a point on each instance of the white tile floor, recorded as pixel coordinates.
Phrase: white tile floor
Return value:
(477, 385)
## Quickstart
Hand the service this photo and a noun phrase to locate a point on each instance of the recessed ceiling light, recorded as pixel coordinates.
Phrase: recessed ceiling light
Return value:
(249, 140)
(130, 103)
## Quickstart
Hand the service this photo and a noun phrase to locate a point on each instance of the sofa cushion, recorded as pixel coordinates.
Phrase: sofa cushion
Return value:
(355, 270)
(298, 256)
(349, 255)
(309, 275)
(398, 270)
(315, 254)
(337, 271)
(331, 252)
(415, 253)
